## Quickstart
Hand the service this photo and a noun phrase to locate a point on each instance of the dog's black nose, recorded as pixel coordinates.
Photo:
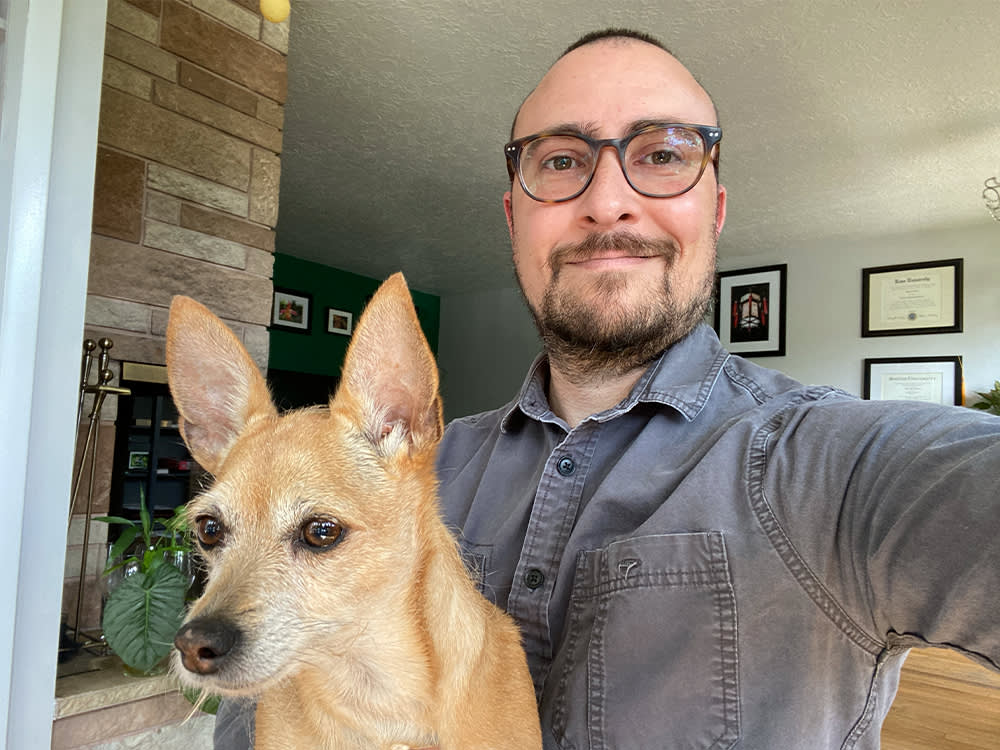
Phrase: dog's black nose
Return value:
(205, 643)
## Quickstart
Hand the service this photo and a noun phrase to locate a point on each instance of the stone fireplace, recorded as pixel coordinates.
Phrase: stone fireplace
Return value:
(185, 199)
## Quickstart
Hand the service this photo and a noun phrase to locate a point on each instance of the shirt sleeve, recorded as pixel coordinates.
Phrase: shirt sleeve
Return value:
(895, 508)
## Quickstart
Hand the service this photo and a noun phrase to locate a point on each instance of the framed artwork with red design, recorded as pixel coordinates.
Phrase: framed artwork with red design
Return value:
(750, 310)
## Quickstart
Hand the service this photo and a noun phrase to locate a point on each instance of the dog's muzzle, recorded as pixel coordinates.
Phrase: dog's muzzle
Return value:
(206, 643)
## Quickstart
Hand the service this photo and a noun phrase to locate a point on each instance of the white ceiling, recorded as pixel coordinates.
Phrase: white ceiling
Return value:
(841, 119)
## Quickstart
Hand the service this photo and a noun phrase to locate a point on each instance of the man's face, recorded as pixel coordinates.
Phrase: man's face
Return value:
(613, 270)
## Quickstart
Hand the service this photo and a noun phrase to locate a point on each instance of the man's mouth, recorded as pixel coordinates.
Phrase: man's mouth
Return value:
(620, 250)
(607, 261)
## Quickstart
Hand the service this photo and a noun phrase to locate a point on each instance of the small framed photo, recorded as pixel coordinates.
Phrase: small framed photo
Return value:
(913, 298)
(934, 380)
(339, 321)
(292, 311)
(138, 460)
(750, 310)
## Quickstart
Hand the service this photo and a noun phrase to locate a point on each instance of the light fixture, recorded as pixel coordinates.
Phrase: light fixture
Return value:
(275, 11)
(991, 194)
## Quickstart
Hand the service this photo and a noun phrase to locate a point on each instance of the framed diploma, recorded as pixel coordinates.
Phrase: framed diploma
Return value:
(750, 311)
(912, 298)
(934, 380)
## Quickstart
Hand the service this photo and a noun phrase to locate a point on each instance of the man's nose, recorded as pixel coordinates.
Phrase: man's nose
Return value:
(609, 199)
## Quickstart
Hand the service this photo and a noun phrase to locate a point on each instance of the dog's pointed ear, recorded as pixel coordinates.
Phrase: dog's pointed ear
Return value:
(216, 387)
(389, 372)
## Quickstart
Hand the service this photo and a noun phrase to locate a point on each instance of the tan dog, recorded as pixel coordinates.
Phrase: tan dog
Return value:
(336, 595)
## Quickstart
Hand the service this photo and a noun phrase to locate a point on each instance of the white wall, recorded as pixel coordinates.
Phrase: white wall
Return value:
(486, 342)
(488, 339)
(824, 342)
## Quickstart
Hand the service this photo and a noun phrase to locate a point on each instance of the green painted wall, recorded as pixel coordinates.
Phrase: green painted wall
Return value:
(319, 352)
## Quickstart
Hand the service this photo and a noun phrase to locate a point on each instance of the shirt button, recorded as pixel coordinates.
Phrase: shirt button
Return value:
(565, 466)
(534, 578)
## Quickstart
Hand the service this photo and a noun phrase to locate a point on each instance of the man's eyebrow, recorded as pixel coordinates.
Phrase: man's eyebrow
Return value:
(591, 129)
(637, 125)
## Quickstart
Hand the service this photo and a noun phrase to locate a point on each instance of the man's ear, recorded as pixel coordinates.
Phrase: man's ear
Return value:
(720, 210)
(215, 384)
(508, 209)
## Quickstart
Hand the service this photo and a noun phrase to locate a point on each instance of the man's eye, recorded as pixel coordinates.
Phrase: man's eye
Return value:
(661, 157)
(322, 533)
(559, 163)
(209, 531)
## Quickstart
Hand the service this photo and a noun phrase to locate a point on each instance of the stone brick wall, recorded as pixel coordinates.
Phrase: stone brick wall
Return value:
(185, 196)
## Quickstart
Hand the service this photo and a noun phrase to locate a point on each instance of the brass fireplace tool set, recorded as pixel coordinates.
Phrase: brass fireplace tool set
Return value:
(100, 389)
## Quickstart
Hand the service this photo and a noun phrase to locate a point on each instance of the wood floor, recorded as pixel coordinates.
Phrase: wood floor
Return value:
(945, 702)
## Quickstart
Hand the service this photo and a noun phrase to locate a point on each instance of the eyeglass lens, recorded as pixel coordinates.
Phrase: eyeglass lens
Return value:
(658, 162)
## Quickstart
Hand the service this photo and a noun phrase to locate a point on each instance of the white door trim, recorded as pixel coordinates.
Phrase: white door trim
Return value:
(54, 54)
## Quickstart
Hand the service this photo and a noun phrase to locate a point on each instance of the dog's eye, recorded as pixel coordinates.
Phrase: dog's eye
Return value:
(321, 533)
(209, 530)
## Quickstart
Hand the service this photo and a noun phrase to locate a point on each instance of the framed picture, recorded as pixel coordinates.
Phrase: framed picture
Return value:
(912, 298)
(339, 321)
(935, 380)
(750, 312)
(138, 460)
(291, 311)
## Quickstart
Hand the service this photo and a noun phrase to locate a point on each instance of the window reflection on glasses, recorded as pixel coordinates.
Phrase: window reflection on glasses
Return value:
(661, 160)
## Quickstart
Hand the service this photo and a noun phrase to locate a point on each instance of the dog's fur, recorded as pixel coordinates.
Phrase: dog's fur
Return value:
(379, 640)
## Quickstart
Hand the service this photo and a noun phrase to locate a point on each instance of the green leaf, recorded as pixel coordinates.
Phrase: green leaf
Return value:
(118, 548)
(177, 523)
(990, 400)
(145, 517)
(116, 519)
(204, 702)
(152, 559)
(143, 614)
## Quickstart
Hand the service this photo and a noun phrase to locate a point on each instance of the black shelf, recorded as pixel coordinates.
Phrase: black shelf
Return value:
(146, 436)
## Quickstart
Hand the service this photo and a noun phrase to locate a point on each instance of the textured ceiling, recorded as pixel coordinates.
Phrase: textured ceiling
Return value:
(841, 119)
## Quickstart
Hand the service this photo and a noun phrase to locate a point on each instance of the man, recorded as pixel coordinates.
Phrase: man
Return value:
(700, 553)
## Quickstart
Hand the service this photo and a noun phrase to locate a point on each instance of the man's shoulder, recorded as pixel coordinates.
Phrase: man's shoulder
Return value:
(748, 391)
(484, 423)
(470, 436)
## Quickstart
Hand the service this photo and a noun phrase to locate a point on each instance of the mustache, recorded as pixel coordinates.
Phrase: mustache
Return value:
(626, 243)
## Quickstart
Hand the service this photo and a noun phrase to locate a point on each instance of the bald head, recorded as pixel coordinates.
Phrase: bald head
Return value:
(616, 37)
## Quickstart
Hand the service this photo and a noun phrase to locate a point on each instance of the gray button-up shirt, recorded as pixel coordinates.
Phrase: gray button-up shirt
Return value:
(728, 559)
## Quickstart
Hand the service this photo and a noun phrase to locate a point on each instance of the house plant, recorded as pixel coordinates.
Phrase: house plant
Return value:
(990, 400)
(147, 588)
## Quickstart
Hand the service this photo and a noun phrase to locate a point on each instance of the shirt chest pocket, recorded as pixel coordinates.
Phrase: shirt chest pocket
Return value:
(649, 657)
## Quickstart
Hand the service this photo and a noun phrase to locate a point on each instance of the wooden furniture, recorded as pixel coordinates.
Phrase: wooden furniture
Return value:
(945, 702)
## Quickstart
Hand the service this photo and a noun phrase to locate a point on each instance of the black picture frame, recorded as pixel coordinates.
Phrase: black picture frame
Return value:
(291, 311)
(911, 299)
(340, 322)
(754, 301)
(935, 380)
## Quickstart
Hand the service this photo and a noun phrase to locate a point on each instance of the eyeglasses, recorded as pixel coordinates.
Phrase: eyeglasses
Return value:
(661, 160)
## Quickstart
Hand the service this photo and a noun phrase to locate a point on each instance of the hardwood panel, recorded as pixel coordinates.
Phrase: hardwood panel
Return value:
(945, 702)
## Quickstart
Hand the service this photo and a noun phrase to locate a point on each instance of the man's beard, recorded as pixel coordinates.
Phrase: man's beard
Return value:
(603, 331)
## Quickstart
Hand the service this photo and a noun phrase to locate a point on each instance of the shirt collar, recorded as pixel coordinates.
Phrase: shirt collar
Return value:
(681, 378)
